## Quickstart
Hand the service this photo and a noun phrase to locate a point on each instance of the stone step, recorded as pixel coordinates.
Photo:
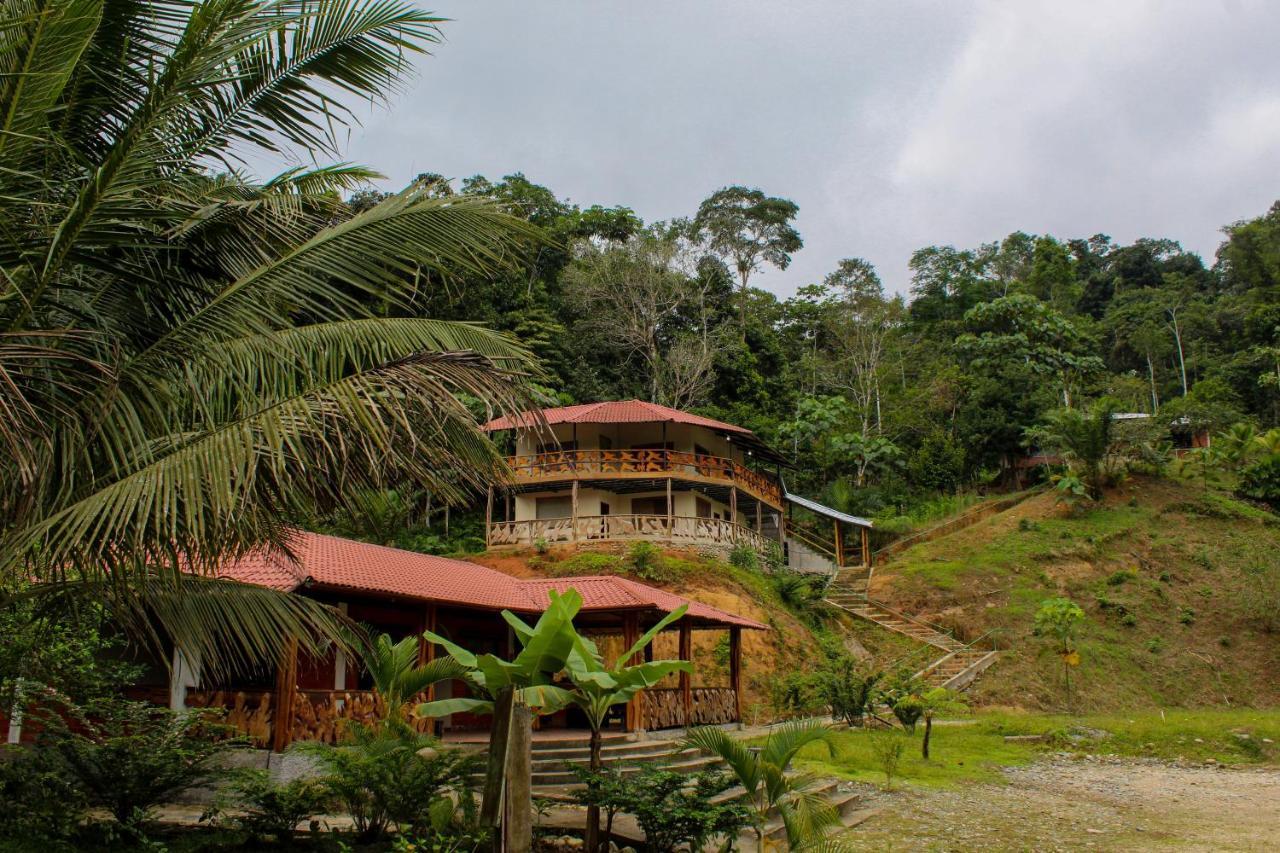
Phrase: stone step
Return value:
(686, 764)
(609, 752)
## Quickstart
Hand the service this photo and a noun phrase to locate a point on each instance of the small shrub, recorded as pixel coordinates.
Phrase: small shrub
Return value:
(541, 545)
(1187, 616)
(1261, 481)
(745, 557)
(1119, 578)
(1028, 525)
(677, 815)
(798, 590)
(1155, 645)
(391, 777)
(1128, 620)
(848, 689)
(1225, 641)
(1202, 558)
(1166, 577)
(646, 561)
(774, 559)
(796, 693)
(888, 746)
(132, 756)
(42, 802)
(587, 563)
(270, 809)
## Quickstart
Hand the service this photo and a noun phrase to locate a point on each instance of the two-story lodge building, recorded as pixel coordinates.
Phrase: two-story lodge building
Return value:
(630, 470)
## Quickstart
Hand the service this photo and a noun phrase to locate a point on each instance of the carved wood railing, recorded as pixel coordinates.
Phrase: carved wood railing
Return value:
(677, 529)
(624, 464)
(710, 706)
(317, 714)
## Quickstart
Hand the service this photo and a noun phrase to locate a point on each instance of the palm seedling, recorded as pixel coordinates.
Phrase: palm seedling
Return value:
(771, 786)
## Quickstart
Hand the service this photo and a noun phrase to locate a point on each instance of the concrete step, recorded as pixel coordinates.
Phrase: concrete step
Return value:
(609, 752)
(685, 764)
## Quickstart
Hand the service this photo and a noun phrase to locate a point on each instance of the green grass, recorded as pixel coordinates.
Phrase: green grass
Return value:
(974, 750)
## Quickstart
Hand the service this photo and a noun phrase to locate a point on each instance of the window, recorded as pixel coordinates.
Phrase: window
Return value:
(604, 508)
(649, 506)
(702, 507)
(554, 507)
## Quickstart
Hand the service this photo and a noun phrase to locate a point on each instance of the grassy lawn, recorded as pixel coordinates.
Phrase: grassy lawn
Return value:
(975, 749)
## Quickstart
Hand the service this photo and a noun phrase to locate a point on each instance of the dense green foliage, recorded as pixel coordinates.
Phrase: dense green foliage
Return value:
(882, 400)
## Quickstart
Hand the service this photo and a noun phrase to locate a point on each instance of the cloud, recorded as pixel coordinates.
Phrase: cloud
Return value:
(893, 126)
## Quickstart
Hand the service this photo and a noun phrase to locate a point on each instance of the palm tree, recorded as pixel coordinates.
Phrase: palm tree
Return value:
(397, 675)
(1085, 439)
(190, 357)
(769, 782)
(1237, 444)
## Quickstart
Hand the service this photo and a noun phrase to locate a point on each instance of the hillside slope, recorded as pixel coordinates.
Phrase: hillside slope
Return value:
(1174, 580)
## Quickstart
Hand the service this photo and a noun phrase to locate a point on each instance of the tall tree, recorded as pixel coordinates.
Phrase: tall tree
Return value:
(747, 229)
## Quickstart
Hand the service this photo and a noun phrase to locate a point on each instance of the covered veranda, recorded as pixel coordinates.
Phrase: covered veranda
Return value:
(402, 593)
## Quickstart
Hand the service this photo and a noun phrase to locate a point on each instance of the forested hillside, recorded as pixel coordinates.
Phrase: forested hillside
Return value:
(880, 400)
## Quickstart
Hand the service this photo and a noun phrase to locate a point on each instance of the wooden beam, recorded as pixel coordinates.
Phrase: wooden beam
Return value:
(686, 679)
(733, 504)
(573, 514)
(759, 517)
(866, 547)
(839, 546)
(286, 695)
(735, 669)
(488, 517)
(631, 633)
(670, 511)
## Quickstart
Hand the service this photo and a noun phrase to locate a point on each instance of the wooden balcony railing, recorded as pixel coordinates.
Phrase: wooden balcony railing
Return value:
(599, 528)
(709, 706)
(643, 464)
(318, 715)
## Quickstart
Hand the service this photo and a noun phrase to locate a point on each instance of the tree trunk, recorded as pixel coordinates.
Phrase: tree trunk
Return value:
(491, 803)
(1177, 337)
(518, 825)
(928, 730)
(593, 811)
(1151, 375)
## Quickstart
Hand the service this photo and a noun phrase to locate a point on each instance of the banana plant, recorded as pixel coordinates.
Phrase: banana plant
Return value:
(597, 688)
(498, 684)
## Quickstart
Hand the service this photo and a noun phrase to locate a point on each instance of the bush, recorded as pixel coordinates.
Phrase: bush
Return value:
(131, 756)
(392, 777)
(798, 590)
(271, 809)
(1261, 481)
(848, 689)
(677, 815)
(42, 803)
(743, 556)
(797, 693)
(646, 561)
(587, 563)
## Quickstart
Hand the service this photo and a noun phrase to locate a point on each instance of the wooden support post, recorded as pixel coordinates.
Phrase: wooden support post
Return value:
(488, 518)
(839, 546)
(733, 504)
(573, 513)
(286, 695)
(686, 679)
(759, 518)
(671, 530)
(631, 633)
(518, 825)
(506, 515)
(866, 547)
(735, 670)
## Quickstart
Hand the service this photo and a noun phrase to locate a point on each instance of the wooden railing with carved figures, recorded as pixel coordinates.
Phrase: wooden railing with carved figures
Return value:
(318, 715)
(677, 529)
(710, 706)
(644, 464)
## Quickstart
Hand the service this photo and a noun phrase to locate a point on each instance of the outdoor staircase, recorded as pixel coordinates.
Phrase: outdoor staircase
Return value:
(554, 782)
(958, 665)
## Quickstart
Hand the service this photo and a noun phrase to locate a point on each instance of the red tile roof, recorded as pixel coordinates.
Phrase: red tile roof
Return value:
(333, 563)
(613, 412)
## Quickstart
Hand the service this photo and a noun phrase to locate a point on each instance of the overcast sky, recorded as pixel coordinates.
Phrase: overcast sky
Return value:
(893, 125)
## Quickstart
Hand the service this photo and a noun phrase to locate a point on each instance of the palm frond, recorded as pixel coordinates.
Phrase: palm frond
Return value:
(230, 627)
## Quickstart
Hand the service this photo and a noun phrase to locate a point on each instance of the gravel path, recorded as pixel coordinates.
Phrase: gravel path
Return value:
(1093, 804)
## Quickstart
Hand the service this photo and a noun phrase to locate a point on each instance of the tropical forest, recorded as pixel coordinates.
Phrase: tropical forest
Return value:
(372, 507)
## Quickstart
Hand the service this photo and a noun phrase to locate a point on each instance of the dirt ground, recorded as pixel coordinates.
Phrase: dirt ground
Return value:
(1099, 804)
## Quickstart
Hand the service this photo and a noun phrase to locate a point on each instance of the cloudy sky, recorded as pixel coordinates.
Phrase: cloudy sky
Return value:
(893, 125)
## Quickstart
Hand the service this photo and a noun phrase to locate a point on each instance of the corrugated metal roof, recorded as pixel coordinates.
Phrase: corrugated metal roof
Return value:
(814, 506)
(334, 563)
